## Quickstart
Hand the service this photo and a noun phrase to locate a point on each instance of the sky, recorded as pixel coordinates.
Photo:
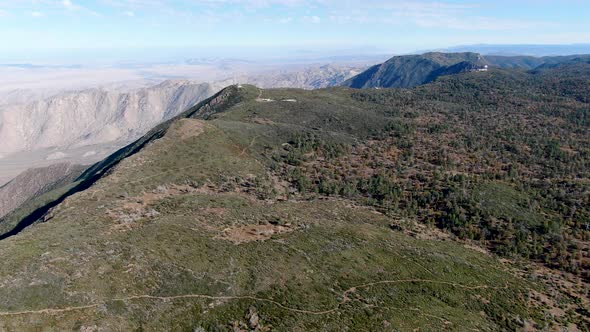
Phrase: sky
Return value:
(155, 28)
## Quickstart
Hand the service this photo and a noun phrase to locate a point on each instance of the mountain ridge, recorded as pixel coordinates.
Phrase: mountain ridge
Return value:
(535, 50)
(412, 70)
(84, 126)
(13, 226)
(276, 204)
(407, 71)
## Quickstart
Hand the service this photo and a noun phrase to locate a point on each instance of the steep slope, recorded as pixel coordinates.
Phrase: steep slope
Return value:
(94, 116)
(316, 210)
(412, 70)
(39, 208)
(35, 182)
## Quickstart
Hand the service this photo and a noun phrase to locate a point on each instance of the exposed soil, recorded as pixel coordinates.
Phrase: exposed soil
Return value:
(250, 233)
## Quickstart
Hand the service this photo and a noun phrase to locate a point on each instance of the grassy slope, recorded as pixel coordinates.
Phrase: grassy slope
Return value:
(134, 234)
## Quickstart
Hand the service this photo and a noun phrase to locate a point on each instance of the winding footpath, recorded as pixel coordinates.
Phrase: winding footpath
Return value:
(344, 300)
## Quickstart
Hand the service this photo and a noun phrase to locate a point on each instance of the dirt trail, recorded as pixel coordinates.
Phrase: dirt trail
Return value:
(344, 300)
(260, 99)
(249, 145)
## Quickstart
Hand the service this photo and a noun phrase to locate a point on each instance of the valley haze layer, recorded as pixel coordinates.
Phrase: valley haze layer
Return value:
(53, 122)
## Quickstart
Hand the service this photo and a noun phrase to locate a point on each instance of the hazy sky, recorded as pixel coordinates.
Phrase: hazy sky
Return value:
(31, 28)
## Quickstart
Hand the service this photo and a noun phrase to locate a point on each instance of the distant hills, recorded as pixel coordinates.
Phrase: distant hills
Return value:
(537, 50)
(531, 62)
(306, 77)
(412, 70)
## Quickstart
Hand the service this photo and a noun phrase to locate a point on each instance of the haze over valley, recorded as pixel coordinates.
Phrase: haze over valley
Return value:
(61, 113)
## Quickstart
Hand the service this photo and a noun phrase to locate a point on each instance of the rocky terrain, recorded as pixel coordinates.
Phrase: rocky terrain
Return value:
(24, 96)
(94, 116)
(83, 127)
(114, 111)
(306, 77)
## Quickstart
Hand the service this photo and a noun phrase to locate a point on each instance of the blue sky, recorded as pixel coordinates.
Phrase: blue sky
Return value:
(370, 26)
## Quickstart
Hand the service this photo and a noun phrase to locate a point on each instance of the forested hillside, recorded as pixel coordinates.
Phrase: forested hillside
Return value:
(501, 157)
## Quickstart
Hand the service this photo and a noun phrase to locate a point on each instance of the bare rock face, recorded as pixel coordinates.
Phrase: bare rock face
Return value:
(23, 96)
(94, 116)
(253, 319)
(251, 323)
(35, 182)
(308, 77)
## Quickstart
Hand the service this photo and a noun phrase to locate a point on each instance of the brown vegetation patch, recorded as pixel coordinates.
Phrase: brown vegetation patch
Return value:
(187, 128)
(562, 287)
(133, 209)
(217, 211)
(420, 231)
(262, 120)
(130, 210)
(250, 233)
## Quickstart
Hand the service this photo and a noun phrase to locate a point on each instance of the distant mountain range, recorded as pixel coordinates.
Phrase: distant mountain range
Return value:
(308, 77)
(412, 70)
(521, 49)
